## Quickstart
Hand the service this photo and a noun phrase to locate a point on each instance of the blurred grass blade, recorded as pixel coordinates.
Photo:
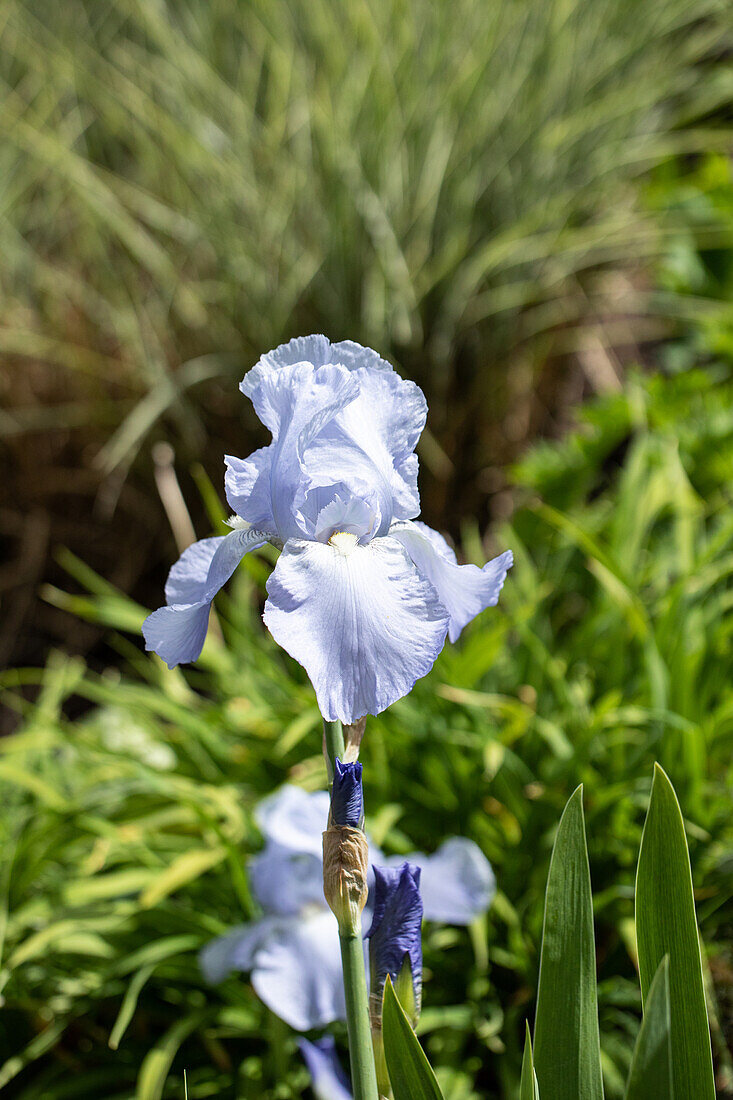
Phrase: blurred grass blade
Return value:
(666, 925)
(182, 870)
(129, 1004)
(528, 1087)
(567, 1053)
(651, 1066)
(409, 1070)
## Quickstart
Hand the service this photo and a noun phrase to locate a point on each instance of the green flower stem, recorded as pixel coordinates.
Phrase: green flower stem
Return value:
(363, 1070)
(333, 740)
(361, 1055)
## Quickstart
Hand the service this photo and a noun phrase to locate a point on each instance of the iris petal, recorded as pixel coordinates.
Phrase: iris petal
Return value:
(286, 881)
(296, 403)
(353, 355)
(248, 489)
(295, 963)
(347, 795)
(370, 442)
(457, 883)
(177, 632)
(302, 349)
(317, 350)
(236, 950)
(328, 1078)
(464, 590)
(294, 818)
(369, 445)
(396, 925)
(364, 625)
(188, 578)
(297, 972)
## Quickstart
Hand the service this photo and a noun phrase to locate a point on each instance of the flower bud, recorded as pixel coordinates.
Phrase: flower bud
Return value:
(395, 946)
(345, 866)
(347, 797)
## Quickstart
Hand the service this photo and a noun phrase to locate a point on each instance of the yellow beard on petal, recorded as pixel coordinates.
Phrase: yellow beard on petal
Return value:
(343, 541)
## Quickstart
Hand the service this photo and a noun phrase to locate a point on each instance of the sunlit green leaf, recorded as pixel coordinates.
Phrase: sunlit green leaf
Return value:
(567, 1054)
(528, 1087)
(409, 1070)
(666, 925)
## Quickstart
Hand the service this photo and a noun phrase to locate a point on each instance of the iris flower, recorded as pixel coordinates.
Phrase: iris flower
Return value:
(362, 596)
(292, 951)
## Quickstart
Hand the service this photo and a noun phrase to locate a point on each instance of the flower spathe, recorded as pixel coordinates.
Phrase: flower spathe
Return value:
(362, 596)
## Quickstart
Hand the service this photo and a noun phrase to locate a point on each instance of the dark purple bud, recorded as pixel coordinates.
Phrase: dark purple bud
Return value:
(395, 944)
(347, 797)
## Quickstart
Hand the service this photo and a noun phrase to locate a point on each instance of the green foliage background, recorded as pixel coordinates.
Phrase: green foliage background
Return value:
(483, 192)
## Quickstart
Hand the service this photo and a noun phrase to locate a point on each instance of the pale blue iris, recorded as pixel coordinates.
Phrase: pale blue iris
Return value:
(327, 1077)
(292, 951)
(362, 596)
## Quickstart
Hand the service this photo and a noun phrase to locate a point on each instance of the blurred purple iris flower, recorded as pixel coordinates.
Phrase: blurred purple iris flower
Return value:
(292, 951)
(362, 596)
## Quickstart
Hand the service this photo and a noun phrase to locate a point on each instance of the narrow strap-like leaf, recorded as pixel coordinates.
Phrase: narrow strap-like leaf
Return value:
(567, 1053)
(528, 1088)
(651, 1065)
(409, 1070)
(666, 925)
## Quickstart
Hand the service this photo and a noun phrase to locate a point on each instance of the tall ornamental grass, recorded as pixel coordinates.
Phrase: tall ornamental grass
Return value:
(443, 181)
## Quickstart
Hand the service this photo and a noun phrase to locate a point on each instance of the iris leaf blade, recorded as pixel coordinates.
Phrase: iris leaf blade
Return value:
(666, 925)
(567, 1053)
(651, 1065)
(409, 1070)
(528, 1087)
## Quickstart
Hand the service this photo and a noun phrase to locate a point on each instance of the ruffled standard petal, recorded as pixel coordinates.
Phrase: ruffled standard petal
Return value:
(296, 402)
(294, 818)
(297, 972)
(327, 1076)
(354, 356)
(371, 444)
(457, 883)
(302, 349)
(364, 624)
(315, 349)
(177, 632)
(371, 441)
(464, 590)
